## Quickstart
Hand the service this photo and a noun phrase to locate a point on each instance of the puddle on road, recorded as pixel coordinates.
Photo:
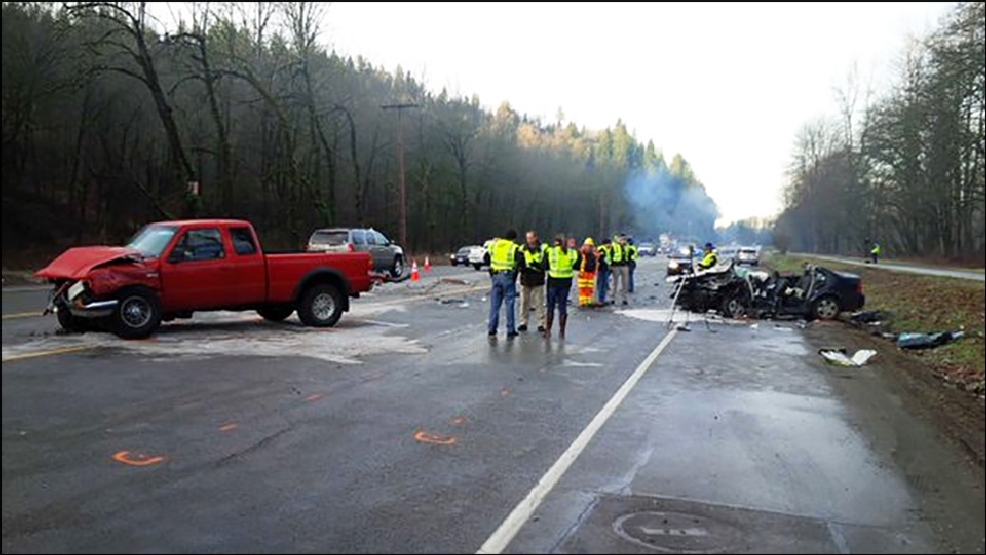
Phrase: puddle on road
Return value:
(234, 334)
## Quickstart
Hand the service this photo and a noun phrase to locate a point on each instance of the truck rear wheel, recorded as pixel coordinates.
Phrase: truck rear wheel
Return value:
(275, 313)
(320, 306)
(138, 314)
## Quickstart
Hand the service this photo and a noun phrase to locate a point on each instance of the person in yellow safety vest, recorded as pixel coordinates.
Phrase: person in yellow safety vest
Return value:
(562, 262)
(632, 255)
(505, 260)
(604, 256)
(875, 252)
(710, 259)
(587, 273)
(532, 281)
(621, 270)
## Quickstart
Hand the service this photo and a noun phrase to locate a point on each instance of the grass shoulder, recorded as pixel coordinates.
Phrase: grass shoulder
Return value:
(921, 304)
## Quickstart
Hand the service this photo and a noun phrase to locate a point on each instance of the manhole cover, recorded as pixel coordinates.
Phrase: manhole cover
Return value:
(676, 532)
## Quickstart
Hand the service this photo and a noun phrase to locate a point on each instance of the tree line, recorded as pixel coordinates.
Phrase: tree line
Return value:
(905, 170)
(112, 118)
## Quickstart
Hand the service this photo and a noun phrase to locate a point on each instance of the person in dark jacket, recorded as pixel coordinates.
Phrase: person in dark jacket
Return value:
(532, 281)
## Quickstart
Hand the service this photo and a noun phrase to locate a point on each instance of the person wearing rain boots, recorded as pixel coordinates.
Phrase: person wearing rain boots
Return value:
(587, 274)
(562, 262)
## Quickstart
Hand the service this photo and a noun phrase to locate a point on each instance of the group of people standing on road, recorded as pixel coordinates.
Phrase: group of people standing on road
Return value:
(547, 274)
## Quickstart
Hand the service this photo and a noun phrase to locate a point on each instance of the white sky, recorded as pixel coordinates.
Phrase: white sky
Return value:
(726, 85)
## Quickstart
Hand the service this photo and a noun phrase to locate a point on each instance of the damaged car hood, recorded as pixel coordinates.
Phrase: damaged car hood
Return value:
(76, 263)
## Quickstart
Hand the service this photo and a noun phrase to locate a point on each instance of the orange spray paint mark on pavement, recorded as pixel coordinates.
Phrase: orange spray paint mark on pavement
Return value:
(136, 459)
(229, 427)
(315, 397)
(504, 392)
(458, 421)
(437, 439)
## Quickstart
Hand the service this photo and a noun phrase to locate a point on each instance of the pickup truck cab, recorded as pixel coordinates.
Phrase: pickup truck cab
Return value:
(175, 268)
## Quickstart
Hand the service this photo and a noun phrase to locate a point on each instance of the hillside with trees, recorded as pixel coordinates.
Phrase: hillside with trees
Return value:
(906, 169)
(111, 118)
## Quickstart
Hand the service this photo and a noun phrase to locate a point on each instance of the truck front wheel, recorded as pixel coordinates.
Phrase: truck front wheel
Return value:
(138, 314)
(320, 306)
(68, 322)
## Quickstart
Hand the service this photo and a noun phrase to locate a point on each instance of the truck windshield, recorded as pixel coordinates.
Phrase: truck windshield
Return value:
(152, 240)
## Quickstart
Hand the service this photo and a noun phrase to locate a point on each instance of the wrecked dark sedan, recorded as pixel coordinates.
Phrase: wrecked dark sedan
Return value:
(818, 293)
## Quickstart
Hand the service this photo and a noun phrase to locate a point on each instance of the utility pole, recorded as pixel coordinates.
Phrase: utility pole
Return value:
(400, 165)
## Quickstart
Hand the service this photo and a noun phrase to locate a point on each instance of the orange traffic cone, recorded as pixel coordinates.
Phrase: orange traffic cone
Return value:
(415, 275)
(427, 264)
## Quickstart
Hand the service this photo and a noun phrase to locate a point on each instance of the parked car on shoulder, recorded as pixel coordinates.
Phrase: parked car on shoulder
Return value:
(388, 257)
(647, 249)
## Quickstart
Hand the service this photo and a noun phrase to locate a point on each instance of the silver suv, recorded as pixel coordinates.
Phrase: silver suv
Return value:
(387, 255)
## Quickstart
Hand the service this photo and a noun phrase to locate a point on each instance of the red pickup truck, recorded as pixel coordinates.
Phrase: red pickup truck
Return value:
(172, 269)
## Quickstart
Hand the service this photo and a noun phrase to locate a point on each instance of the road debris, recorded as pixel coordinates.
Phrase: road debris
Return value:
(840, 357)
(870, 317)
(930, 340)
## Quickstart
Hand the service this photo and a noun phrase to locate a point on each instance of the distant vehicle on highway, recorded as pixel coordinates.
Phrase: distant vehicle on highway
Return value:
(647, 249)
(461, 256)
(479, 257)
(681, 261)
(387, 255)
(726, 253)
(748, 256)
(172, 269)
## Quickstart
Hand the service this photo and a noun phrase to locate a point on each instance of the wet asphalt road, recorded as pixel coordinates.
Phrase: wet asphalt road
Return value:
(405, 430)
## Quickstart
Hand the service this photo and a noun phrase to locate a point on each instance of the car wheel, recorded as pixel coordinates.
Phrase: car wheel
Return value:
(397, 270)
(138, 314)
(320, 306)
(454, 263)
(275, 313)
(826, 308)
(477, 267)
(734, 306)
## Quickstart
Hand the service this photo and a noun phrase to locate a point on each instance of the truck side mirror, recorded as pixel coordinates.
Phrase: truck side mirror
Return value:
(177, 256)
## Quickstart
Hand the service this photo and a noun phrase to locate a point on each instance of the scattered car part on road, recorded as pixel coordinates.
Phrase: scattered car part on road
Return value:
(841, 357)
(917, 340)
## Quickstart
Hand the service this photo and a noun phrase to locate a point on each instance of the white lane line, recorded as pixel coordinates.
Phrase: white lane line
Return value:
(500, 539)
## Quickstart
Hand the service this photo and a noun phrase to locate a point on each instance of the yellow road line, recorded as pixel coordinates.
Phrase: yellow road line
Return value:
(48, 353)
(19, 315)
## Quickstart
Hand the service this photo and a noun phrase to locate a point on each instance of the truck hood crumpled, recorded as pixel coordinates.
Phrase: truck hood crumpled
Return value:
(76, 263)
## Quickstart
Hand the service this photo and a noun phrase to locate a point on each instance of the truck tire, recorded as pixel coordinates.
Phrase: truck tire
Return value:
(320, 306)
(276, 313)
(138, 314)
(68, 322)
